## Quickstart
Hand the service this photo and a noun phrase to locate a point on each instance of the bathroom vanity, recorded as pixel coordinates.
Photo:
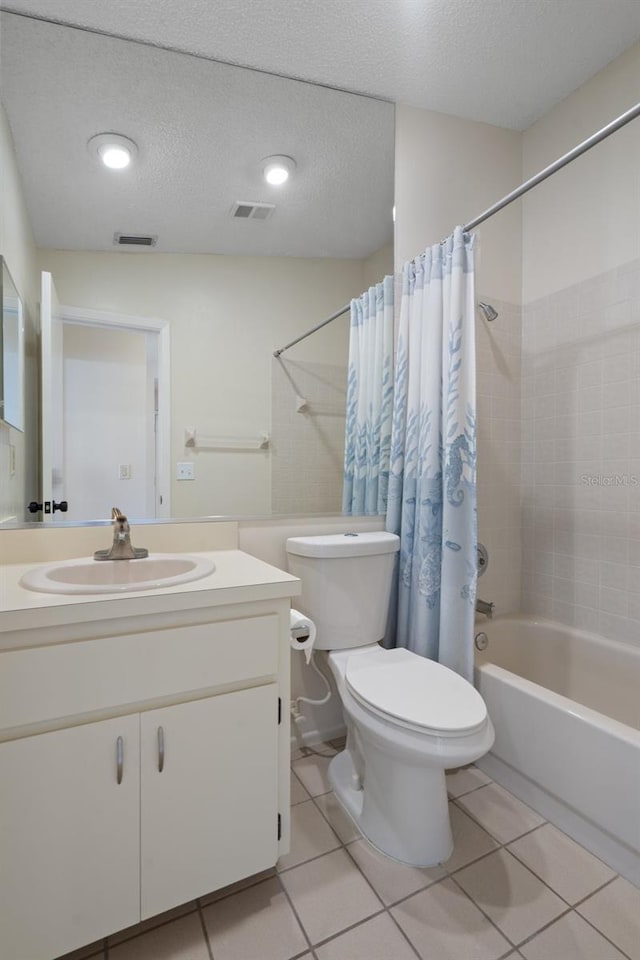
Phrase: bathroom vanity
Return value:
(144, 749)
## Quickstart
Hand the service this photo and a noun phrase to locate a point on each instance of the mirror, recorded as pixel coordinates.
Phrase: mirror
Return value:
(12, 353)
(231, 289)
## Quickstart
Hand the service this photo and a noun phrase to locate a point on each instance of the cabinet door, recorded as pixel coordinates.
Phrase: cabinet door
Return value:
(209, 817)
(69, 862)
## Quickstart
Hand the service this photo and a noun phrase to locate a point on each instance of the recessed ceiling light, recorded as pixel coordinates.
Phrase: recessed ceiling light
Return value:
(114, 150)
(277, 170)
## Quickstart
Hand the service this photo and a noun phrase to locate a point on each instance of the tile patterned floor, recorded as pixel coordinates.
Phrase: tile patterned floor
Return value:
(516, 888)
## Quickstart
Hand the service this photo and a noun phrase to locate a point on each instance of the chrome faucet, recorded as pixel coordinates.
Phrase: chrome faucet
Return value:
(483, 607)
(121, 548)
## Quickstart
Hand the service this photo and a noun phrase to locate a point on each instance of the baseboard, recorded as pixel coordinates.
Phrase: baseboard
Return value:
(616, 855)
(311, 737)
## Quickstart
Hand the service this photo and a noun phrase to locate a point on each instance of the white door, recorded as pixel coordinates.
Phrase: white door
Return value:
(105, 425)
(209, 791)
(52, 403)
(69, 838)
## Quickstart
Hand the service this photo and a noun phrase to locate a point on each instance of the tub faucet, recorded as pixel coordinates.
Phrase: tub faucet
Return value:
(483, 607)
(122, 548)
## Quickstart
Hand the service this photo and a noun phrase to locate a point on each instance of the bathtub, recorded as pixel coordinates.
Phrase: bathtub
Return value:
(566, 709)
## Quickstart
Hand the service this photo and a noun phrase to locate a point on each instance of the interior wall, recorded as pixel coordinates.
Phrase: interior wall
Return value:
(17, 246)
(581, 364)
(583, 221)
(448, 170)
(227, 316)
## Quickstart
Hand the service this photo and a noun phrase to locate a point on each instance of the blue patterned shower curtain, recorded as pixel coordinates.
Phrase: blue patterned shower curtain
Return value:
(432, 482)
(369, 402)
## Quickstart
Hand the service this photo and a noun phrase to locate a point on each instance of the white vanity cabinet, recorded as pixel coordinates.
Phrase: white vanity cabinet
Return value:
(210, 816)
(69, 838)
(143, 763)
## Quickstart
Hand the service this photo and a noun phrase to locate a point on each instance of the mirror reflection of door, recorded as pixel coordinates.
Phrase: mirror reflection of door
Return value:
(99, 418)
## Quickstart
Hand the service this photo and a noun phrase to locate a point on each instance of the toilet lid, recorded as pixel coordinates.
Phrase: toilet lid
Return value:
(416, 691)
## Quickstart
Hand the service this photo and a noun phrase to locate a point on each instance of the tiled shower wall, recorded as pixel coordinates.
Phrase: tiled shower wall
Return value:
(307, 446)
(498, 346)
(581, 455)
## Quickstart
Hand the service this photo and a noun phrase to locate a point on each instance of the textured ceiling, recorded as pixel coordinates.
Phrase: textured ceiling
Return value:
(202, 129)
(501, 61)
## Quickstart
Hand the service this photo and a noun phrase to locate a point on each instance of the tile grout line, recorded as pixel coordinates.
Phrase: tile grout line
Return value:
(592, 925)
(385, 906)
(452, 874)
(295, 913)
(205, 932)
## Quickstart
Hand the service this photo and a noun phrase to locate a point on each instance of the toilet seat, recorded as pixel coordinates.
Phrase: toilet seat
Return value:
(425, 696)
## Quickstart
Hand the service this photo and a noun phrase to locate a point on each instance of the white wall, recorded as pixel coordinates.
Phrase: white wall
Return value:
(585, 220)
(581, 364)
(447, 171)
(227, 316)
(18, 248)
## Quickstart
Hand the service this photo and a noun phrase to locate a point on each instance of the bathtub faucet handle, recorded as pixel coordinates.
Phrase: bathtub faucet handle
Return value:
(483, 607)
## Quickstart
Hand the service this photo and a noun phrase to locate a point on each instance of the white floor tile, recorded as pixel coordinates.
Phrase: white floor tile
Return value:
(443, 924)
(570, 938)
(312, 771)
(470, 841)
(465, 780)
(517, 901)
(329, 895)
(180, 940)
(311, 835)
(562, 863)
(616, 912)
(256, 924)
(391, 880)
(298, 792)
(376, 939)
(500, 813)
(337, 817)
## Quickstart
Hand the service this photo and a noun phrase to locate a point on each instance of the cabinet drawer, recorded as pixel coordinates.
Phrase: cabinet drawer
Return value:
(50, 683)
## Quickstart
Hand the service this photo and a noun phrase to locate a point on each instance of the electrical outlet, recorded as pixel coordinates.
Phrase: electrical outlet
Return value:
(185, 471)
(124, 471)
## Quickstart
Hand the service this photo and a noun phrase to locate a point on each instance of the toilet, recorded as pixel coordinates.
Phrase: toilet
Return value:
(408, 718)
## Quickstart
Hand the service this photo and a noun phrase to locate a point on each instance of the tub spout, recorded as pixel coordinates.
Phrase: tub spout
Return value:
(483, 607)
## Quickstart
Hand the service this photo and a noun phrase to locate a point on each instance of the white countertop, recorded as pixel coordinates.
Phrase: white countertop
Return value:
(237, 578)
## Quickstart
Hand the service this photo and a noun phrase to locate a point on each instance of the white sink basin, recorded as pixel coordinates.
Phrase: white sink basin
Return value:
(117, 576)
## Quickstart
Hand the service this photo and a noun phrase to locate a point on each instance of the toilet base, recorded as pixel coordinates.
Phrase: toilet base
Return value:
(402, 809)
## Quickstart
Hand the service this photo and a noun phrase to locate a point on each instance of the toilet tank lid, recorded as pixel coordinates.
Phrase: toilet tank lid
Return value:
(344, 545)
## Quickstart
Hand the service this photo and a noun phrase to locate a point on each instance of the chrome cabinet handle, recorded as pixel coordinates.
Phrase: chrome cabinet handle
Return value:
(160, 749)
(119, 758)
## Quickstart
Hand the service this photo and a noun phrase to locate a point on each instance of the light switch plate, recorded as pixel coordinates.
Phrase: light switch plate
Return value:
(124, 471)
(185, 471)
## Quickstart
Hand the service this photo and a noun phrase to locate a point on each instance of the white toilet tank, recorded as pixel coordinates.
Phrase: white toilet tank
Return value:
(346, 585)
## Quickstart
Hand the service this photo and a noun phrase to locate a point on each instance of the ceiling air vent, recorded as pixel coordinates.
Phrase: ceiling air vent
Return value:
(249, 210)
(134, 240)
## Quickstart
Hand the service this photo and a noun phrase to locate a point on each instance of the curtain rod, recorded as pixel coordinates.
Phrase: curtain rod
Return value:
(529, 184)
(558, 164)
(318, 326)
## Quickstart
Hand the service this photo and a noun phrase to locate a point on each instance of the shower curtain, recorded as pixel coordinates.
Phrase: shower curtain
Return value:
(369, 402)
(432, 483)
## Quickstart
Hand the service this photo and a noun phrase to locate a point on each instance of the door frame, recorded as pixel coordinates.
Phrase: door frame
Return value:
(104, 318)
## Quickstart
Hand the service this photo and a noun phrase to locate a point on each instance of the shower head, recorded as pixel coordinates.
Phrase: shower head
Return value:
(490, 312)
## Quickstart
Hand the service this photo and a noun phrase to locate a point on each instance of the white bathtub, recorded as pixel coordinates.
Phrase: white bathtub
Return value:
(566, 709)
